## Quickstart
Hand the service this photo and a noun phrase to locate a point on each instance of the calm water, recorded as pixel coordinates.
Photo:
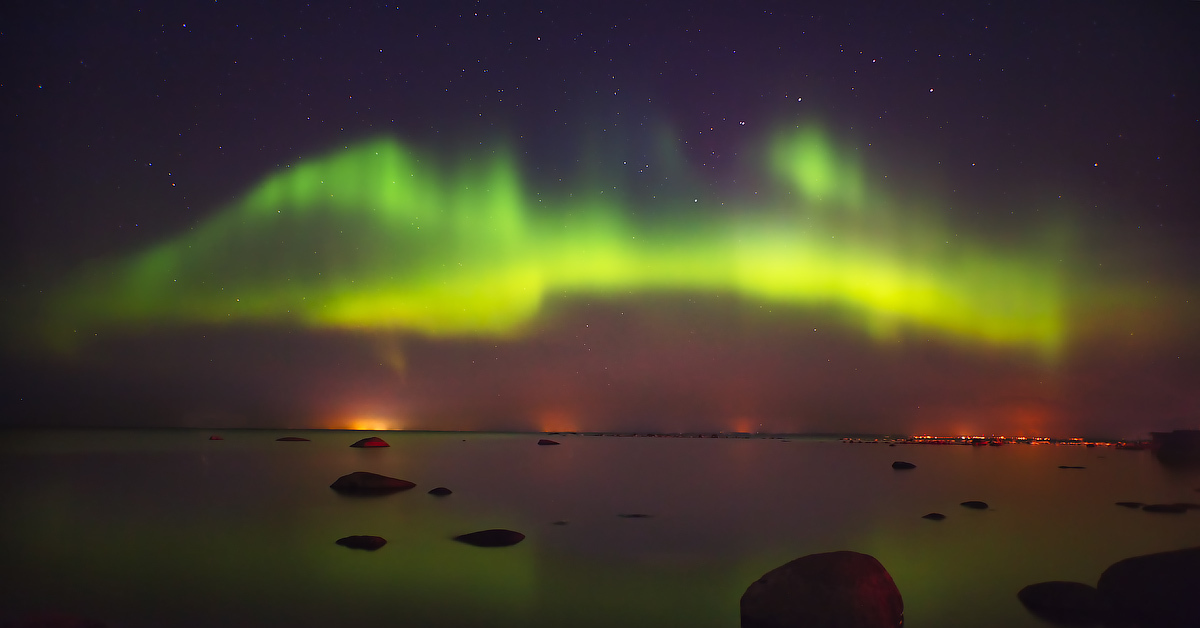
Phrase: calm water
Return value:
(144, 528)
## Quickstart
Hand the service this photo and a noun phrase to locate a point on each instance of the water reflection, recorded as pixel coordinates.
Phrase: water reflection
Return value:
(145, 528)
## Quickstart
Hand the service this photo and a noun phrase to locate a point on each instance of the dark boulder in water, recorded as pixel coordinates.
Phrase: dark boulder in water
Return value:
(901, 465)
(633, 515)
(934, 516)
(366, 483)
(440, 491)
(1131, 504)
(1171, 508)
(292, 439)
(496, 537)
(975, 504)
(1071, 603)
(215, 437)
(364, 542)
(1155, 590)
(844, 589)
(373, 441)
(1067, 466)
(547, 441)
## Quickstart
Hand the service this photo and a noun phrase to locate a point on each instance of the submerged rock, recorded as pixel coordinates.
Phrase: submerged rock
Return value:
(292, 439)
(364, 542)
(844, 589)
(1131, 504)
(901, 465)
(215, 437)
(496, 537)
(1067, 466)
(934, 516)
(547, 441)
(975, 504)
(1155, 590)
(366, 483)
(1060, 602)
(1171, 508)
(373, 441)
(440, 491)
(633, 515)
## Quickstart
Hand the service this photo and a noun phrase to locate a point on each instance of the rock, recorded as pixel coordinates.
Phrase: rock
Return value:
(292, 439)
(900, 465)
(934, 516)
(547, 441)
(497, 537)
(1131, 504)
(365, 483)
(561, 522)
(976, 504)
(1064, 466)
(440, 491)
(1171, 508)
(633, 515)
(1156, 589)
(843, 589)
(215, 437)
(373, 441)
(364, 542)
(1071, 603)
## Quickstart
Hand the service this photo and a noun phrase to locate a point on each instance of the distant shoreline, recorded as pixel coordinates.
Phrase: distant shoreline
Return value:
(889, 439)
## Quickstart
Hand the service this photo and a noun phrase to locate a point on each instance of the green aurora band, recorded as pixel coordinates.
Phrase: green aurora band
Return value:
(375, 238)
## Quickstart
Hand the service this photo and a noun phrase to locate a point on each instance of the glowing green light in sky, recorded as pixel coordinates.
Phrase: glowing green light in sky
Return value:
(373, 237)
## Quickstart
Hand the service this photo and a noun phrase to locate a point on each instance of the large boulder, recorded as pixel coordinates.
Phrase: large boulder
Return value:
(835, 589)
(1068, 603)
(547, 441)
(373, 441)
(901, 465)
(366, 483)
(1156, 589)
(496, 537)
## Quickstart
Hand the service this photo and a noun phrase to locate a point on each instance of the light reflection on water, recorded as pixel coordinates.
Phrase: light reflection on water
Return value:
(166, 528)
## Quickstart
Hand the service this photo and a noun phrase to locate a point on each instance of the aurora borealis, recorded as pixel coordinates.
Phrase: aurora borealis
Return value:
(765, 220)
(369, 239)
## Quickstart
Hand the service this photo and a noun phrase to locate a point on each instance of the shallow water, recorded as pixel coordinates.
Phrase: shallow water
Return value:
(144, 528)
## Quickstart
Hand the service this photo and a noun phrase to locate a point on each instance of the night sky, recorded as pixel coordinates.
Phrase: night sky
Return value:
(952, 218)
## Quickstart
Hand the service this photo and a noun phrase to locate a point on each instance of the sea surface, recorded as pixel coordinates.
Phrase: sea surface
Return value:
(163, 528)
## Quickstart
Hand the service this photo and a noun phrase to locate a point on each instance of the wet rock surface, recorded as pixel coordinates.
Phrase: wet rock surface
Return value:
(843, 589)
(367, 483)
(1155, 589)
(1060, 602)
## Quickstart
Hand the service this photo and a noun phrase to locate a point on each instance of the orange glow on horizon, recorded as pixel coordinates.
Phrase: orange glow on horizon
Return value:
(366, 422)
(557, 420)
(743, 424)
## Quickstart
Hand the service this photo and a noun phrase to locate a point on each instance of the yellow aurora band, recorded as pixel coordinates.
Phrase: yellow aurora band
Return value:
(373, 237)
